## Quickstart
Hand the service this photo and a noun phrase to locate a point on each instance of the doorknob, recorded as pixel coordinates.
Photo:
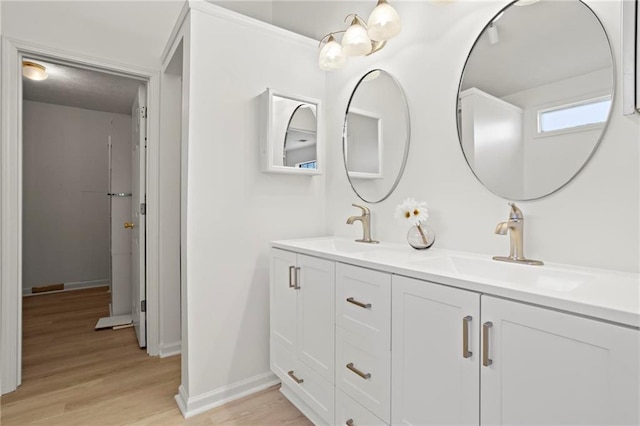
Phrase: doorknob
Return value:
(129, 225)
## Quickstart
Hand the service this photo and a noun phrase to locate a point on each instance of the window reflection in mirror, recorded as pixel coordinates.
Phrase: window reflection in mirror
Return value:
(526, 68)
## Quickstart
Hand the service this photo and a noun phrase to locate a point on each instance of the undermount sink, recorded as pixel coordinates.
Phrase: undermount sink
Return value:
(543, 277)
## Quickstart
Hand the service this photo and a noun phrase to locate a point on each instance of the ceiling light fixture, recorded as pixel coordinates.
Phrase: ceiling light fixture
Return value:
(34, 71)
(360, 38)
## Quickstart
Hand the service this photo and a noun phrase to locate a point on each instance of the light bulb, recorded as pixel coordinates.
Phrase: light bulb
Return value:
(331, 56)
(384, 22)
(356, 41)
(34, 71)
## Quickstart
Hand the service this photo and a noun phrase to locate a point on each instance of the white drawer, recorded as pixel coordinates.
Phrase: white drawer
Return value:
(350, 413)
(313, 390)
(281, 360)
(363, 372)
(363, 303)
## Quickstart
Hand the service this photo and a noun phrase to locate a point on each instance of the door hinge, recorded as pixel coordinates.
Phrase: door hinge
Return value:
(143, 306)
(143, 208)
(143, 112)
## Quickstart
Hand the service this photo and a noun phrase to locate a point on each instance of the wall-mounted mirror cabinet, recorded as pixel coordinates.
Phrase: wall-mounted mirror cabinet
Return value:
(292, 136)
(376, 134)
(535, 97)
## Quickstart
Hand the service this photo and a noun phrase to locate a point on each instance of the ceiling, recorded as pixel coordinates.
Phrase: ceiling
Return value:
(82, 88)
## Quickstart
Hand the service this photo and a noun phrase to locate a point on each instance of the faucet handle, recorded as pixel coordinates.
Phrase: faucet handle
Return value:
(516, 213)
(365, 210)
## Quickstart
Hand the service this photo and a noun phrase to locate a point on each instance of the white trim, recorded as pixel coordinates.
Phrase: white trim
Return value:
(10, 224)
(237, 18)
(11, 196)
(175, 36)
(191, 406)
(170, 349)
(152, 213)
(69, 287)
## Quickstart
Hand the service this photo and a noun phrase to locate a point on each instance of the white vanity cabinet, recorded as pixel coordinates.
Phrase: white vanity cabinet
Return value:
(303, 331)
(363, 341)
(435, 354)
(553, 368)
(364, 335)
(513, 364)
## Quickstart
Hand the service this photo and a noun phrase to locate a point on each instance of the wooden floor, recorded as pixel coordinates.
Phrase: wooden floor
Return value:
(74, 375)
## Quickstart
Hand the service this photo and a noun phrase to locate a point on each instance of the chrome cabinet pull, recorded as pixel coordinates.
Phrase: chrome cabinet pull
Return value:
(349, 422)
(362, 305)
(296, 276)
(291, 273)
(466, 322)
(485, 344)
(293, 376)
(358, 372)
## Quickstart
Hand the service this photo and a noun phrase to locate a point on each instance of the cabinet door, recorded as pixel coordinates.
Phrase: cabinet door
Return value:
(316, 313)
(552, 368)
(283, 299)
(433, 382)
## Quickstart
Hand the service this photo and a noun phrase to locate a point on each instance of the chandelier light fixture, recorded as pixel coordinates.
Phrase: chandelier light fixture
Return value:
(360, 38)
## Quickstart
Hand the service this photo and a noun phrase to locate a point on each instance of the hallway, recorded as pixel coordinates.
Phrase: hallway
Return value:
(74, 375)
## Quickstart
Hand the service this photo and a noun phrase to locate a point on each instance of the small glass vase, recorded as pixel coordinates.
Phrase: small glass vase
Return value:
(421, 236)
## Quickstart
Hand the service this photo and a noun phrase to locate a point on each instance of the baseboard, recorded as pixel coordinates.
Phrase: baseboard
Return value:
(191, 406)
(170, 349)
(69, 286)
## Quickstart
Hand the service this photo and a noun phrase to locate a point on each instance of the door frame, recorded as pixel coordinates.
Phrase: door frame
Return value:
(11, 196)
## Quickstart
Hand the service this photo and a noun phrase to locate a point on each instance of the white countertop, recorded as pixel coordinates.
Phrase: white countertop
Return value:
(599, 293)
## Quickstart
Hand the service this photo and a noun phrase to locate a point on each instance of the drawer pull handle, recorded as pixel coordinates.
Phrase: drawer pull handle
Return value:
(291, 273)
(362, 305)
(358, 372)
(466, 322)
(296, 278)
(293, 376)
(486, 361)
(349, 422)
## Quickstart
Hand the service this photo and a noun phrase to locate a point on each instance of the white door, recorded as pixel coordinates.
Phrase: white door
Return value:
(283, 299)
(551, 368)
(138, 198)
(435, 353)
(316, 314)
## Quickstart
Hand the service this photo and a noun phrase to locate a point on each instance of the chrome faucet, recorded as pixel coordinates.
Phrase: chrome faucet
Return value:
(515, 227)
(365, 218)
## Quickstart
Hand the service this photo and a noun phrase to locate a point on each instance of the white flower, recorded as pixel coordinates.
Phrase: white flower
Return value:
(412, 212)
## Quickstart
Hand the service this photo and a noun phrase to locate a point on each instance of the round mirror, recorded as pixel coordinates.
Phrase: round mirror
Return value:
(535, 97)
(375, 138)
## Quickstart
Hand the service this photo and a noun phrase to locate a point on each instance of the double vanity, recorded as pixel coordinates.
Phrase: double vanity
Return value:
(384, 334)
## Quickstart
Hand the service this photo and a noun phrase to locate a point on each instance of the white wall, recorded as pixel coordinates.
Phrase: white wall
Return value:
(130, 32)
(492, 135)
(572, 226)
(234, 210)
(170, 203)
(66, 209)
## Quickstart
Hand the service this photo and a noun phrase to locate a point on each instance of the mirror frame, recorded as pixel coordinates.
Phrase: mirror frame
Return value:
(405, 156)
(600, 137)
(268, 140)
